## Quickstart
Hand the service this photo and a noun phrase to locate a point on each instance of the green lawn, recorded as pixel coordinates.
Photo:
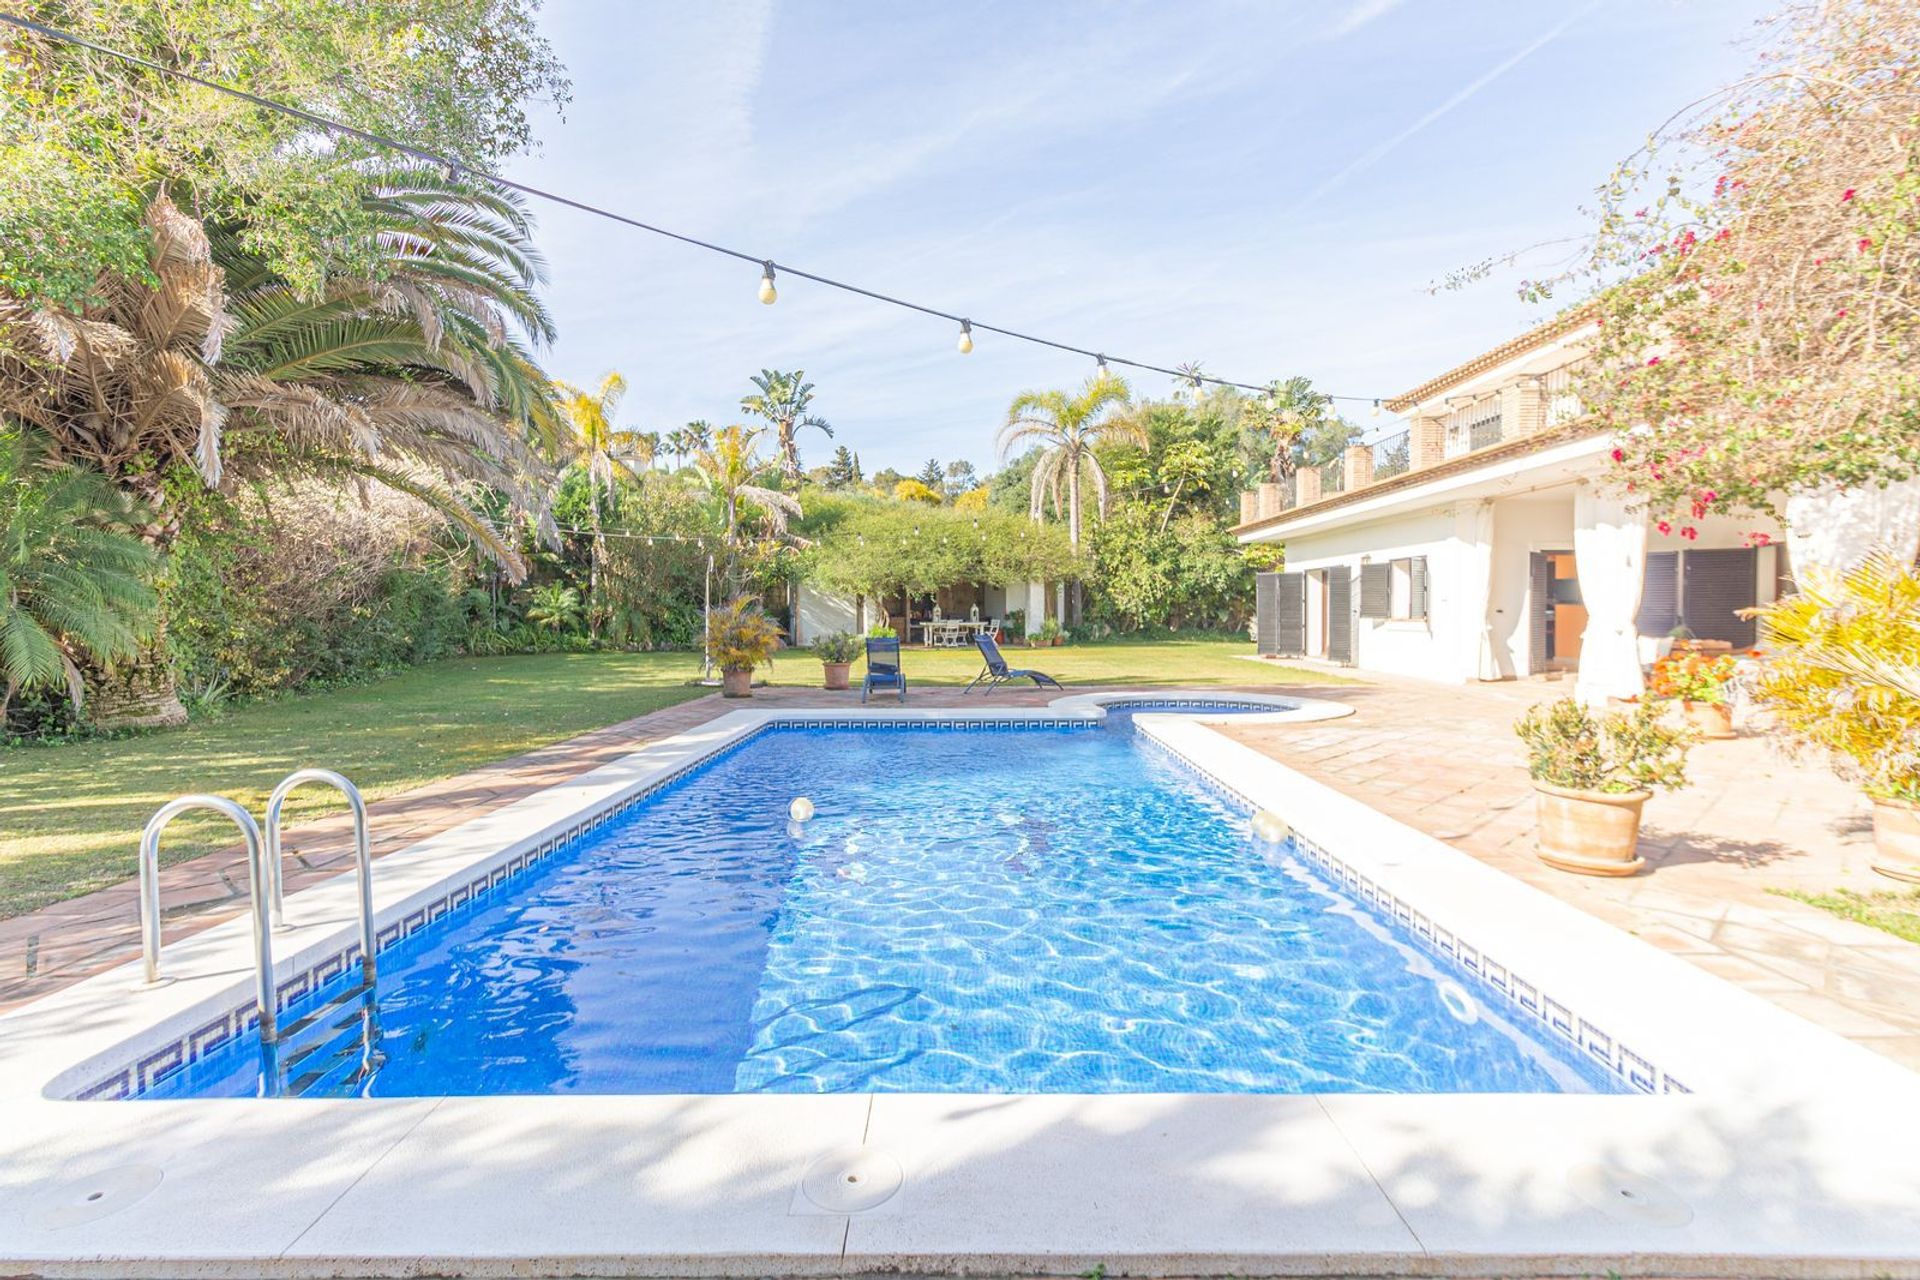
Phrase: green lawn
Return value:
(1891, 910)
(70, 815)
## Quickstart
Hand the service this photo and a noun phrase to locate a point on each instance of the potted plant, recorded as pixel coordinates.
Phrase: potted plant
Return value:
(1592, 774)
(1702, 684)
(739, 638)
(1049, 634)
(1842, 677)
(836, 653)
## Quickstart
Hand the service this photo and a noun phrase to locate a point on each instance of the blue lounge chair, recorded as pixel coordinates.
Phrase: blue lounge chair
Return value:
(883, 667)
(997, 671)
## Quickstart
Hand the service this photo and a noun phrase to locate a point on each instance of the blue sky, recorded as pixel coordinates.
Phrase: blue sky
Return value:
(1266, 188)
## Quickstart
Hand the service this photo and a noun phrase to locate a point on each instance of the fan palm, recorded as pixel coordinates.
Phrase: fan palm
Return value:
(1068, 427)
(73, 579)
(411, 378)
(604, 450)
(782, 400)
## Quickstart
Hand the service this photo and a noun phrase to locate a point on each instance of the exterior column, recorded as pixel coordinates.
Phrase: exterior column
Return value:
(1426, 443)
(1472, 598)
(1357, 462)
(1306, 486)
(1610, 555)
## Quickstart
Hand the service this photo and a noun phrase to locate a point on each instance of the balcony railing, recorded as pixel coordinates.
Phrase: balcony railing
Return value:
(1559, 401)
(1473, 426)
(1393, 455)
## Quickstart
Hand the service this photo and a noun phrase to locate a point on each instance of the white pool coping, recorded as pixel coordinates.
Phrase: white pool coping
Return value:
(1797, 1153)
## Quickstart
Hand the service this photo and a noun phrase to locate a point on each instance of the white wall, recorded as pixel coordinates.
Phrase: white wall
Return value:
(1522, 526)
(817, 613)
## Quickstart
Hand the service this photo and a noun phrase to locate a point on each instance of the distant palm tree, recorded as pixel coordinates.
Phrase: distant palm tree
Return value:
(782, 400)
(555, 606)
(1291, 414)
(684, 442)
(604, 449)
(1068, 427)
(728, 469)
(73, 578)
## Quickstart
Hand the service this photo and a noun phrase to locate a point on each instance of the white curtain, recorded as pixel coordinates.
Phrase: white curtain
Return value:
(1610, 556)
(1834, 529)
(1475, 527)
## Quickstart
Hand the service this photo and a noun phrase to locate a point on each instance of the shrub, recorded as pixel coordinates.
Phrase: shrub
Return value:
(1570, 746)
(1843, 674)
(1693, 677)
(742, 636)
(838, 646)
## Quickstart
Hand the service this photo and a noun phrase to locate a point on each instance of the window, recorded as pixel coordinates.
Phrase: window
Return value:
(1394, 589)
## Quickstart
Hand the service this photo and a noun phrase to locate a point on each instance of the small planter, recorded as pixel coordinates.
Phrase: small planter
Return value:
(1709, 719)
(1896, 840)
(736, 682)
(1594, 833)
(837, 674)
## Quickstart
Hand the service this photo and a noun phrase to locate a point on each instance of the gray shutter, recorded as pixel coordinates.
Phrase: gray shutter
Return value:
(1280, 613)
(1539, 609)
(1714, 585)
(1660, 594)
(1376, 590)
(1340, 615)
(1417, 587)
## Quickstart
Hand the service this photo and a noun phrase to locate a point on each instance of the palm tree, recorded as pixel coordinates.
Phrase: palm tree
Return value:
(1069, 427)
(73, 578)
(728, 470)
(409, 376)
(782, 400)
(1290, 413)
(605, 450)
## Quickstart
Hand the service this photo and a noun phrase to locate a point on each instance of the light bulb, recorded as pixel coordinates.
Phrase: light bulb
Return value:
(1376, 408)
(966, 337)
(768, 294)
(1100, 369)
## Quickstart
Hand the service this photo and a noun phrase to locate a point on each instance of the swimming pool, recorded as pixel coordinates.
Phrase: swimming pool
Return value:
(1037, 909)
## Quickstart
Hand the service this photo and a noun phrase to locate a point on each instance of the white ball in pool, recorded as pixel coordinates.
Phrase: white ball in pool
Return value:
(801, 809)
(1270, 826)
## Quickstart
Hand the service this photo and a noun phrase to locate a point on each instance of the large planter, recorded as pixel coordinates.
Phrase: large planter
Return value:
(1896, 840)
(837, 674)
(1709, 719)
(1594, 833)
(736, 682)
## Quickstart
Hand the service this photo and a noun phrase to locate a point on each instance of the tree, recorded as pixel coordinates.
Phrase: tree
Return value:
(84, 136)
(960, 478)
(1068, 427)
(216, 366)
(933, 477)
(683, 442)
(1757, 268)
(844, 471)
(729, 470)
(1187, 465)
(73, 577)
(554, 606)
(603, 449)
(914, 490)
(782, 400)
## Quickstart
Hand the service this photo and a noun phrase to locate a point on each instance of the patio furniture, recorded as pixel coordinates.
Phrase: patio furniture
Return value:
(883, 667)
(997, 671)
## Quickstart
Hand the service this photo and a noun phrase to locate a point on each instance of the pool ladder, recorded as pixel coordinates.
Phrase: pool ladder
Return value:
(265, 882)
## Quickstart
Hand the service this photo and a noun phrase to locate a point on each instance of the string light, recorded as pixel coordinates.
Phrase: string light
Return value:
(966, 337)
(768, 294)
(1376, 408)
(1100, 370)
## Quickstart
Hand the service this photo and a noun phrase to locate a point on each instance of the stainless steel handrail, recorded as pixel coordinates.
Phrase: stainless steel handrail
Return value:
(362, 854)
(256, 893)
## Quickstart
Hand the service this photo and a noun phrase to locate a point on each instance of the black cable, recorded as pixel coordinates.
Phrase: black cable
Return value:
(453, 166)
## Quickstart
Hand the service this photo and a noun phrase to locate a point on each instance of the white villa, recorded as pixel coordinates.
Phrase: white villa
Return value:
(1477, 545)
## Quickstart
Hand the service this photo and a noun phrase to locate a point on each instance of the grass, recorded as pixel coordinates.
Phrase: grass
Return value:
(1890, 910)
(71, 814)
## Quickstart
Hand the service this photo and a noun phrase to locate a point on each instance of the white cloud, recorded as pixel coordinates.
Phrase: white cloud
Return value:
(1359, 14)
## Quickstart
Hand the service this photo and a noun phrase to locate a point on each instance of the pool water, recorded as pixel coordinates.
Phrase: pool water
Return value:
(1019, 910)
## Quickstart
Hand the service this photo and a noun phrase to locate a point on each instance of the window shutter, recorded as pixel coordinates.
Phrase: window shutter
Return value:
(1376, 590)
(1713, 586)
(1280, 613)
(1417, 587)
(1340, 616)
(1539, 609)
(1660, 594)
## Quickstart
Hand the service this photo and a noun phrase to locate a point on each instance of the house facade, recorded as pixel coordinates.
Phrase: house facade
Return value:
(1481, 543)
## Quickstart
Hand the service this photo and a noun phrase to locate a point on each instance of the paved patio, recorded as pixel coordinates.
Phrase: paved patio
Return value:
(1440, 758)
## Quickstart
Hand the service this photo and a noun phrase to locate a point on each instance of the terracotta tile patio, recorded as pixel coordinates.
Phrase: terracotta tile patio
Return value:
(1440, 758)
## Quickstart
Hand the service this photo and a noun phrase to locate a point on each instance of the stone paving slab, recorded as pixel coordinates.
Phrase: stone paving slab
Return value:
(1441, 758)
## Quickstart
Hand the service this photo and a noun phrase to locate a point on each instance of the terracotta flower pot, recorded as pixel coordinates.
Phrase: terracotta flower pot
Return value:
(1709, 719)
(1594, 833)
(1896, 839)
(836, 673)
(736, 682)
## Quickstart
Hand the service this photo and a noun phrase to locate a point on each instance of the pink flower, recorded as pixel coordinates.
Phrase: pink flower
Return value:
(1864, 245)
(1619, 455)
(1652, 362)
(1689, 532)
(1848, 195)
(1665, 526)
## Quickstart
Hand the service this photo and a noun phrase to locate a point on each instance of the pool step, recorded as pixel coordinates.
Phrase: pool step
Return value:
(337, 1042)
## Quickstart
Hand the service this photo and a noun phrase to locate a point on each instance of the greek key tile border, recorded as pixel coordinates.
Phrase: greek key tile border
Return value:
(1523, 995)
